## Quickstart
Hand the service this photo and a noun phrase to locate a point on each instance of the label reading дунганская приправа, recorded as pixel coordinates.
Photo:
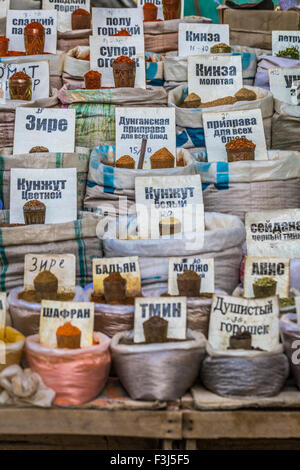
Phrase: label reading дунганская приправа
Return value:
(16, 21)
(55, 314)
(109, 21)
(281, 81)
(169, 200)
(172, 309)
(283, 40)
(231, 315)
(157, 125)
(62, 266)
(64, 10)
(273, 232)
(198, 38)
(55, 187)
(37, 71)
(50, 127)
(104, 50)
(257, 267)
(214, 76)
(128, 267)
(220, 128)
(202, 266)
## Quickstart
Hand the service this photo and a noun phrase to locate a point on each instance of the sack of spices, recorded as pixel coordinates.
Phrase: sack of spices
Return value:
(76, 65)
(69, 39)
(244, 372)
(157, 371)
(76, 375)
(290, 336)
(77, 237)
(285, 126)
(267, 62)
(14, 343)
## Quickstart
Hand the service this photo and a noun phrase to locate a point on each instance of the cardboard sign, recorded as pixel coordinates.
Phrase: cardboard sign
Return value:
(50, 127)
(128, 267)
(62, 266)
(2, 314)
(276, 268)
(273, 233)
(172, 309)
(4, 7)
(55, 314)
(197, 38)
(231, 315)
(159, 198)
(281, 40)
(37, 71)
(109, 21)
(214, 76)
(157, 125)
(203, 267)
(17, 20)
(104, 50)
(55, 187)
(64, 10)
(281, 81)
(220, 128)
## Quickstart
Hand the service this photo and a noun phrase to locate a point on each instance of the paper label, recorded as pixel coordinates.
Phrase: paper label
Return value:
(273, 233)
(202, 266)
(172, 309)
(104, 50)
(157, 125)
(276, 268)
(213, 76)
(55, 314)
(282, 40)
(55, 187)
(4, 7)
(37, 71)
(17, 20)
(159, 198)
(198, 38)
(281, 81)
(65, 9)
(62, 266)
(220, 128)
(2, 314)
(231, 315)
(52, 128)
(128, 267)
(109, 21)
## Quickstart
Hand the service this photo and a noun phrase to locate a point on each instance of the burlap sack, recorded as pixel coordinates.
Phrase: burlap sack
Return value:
(25, 316)
(267, 62)
(223, 239)
(162, 371)
(111, 190)
(70, 39)
(189, 125)
(285, 126)
(244, 373)
(78, 160)
(13, 349)
(78, 238)
(290, 336)
(240, 187)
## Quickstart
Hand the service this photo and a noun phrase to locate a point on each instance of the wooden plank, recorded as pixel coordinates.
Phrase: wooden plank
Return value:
(250, 424)
(157, 424)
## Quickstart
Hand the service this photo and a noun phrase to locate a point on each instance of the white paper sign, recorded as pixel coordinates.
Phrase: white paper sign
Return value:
(276, 268)
(281, 81)
(64, 10)
(52, 128)
(231, 315)
(55, 314)
(273, 233)
(198, 38)
(128, 267)
(202, 266)
(2, 315)
(37, 71)
(104, 50)
(220, 128)
(56, 188)
(172, 309)
(17, 20)
(282, 40)
(62, 266)
(4, 7)
(214, 76)
(161, 198)
(157, 125)
(109, 21)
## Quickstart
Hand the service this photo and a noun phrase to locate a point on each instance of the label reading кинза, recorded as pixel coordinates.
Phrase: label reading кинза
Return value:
(198, 38)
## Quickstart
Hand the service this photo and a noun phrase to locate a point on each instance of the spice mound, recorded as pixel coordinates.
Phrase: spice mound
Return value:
(240, 149)
(162, 158)
(114, 288)
(241, 340)
(38, 149)
(46, 285)
(92, 80)
(169, 226)
(81, 19)
(155, 330)
(289, 53)
(219, 102)
(123, 59)
(3, 46)
(192, 101)
(245, 95)
(221, 48)
(126, 161)
(189, 283)
(68, 336)
(122, 32)
(20, 86)
(264, 287)
(150, 11)
(34, 212)
(287, 302)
